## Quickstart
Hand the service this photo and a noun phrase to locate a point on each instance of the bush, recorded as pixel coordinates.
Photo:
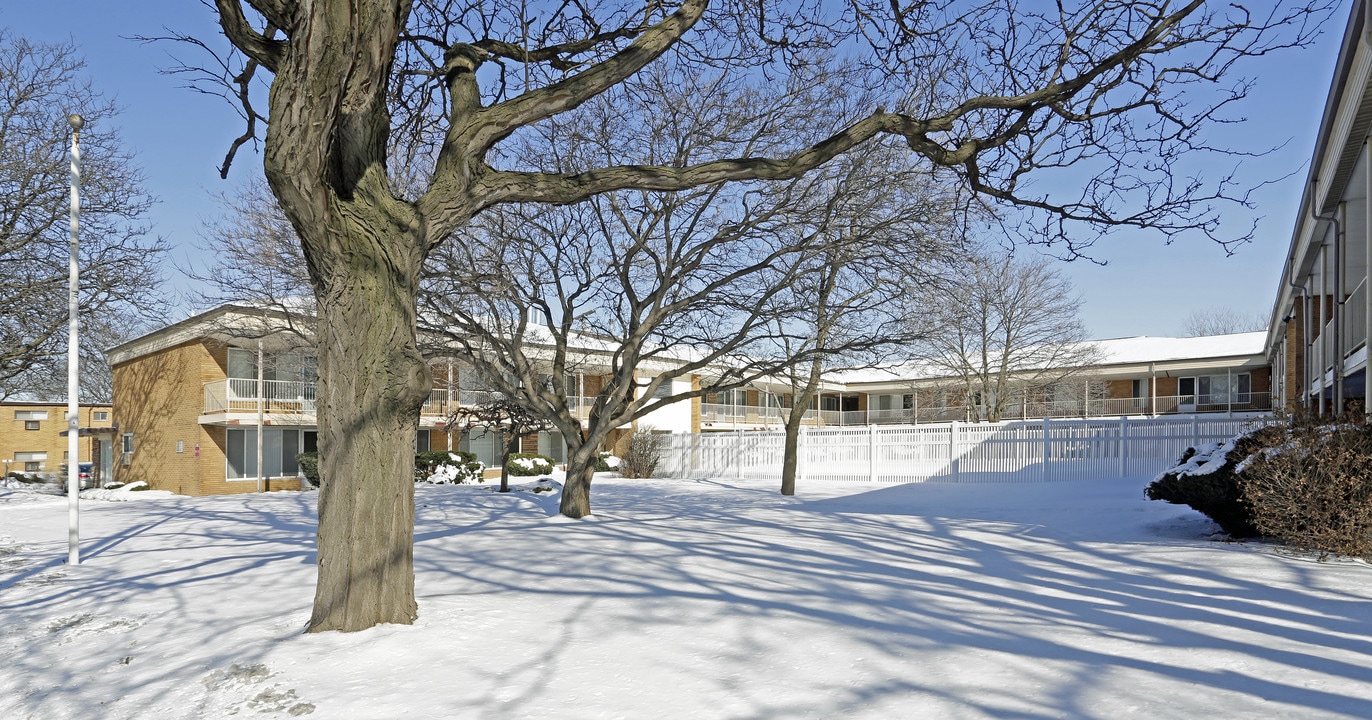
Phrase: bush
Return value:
(1207, 481)
(309, 466)
(641, 457)
(442, 468)
(606, 463)
(529, 464)
(448, 468)
(1312, 490)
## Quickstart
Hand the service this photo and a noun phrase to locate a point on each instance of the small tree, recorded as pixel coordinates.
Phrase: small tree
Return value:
(1222, 321)
(642, 454)
(504, 417)
(998, 323)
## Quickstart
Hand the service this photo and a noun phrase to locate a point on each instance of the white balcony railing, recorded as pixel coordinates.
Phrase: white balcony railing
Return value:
(1355, 319)
(278, 396)
(298, 398)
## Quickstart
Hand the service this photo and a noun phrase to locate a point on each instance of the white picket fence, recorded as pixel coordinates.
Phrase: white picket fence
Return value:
(1013, 451)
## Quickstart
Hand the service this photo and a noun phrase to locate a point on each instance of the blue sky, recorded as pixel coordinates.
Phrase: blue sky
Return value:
(1145, 287)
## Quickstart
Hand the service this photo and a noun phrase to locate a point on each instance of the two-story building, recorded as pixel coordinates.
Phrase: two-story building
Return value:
(33, 438)
(1322, 316)
(193, 398)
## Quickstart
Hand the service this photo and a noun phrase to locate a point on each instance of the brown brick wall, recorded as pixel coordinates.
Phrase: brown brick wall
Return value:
(1295, 356)
(1121, 389)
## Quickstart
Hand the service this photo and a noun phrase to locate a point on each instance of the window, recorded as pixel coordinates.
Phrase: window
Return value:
(31, 424)
(33, 461)
(279, 448)
(30, 414)
(552, 445)
(486, 445)
(127, 447)
(1224, 389)
(733, 397)
(421, 441)
(100, 416)
(664, 390)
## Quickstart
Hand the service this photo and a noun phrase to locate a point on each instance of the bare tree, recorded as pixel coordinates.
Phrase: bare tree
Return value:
(504, 417)
(1222, 321)
(995, 91)
(1000, 325)
(883, 228)
(671, 296)
(119, 262)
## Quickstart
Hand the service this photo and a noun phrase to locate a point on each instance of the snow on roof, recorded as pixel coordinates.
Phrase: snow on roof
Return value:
(1114, 351)
(1144, 349)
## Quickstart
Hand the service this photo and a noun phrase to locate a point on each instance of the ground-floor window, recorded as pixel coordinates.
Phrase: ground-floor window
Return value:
(486, 446)
(552, 445)
(421, 441)
(279, 449)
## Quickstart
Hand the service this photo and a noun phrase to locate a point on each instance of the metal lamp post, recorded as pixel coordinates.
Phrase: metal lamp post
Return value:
(73, 404)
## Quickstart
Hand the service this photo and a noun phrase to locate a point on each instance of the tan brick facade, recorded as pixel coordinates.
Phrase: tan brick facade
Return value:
(159, 398)
(19, 435)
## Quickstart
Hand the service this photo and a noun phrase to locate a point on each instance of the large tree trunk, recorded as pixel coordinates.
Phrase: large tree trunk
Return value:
(372, 383)
(576, 487)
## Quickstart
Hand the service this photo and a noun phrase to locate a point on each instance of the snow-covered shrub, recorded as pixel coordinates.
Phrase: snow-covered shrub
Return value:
(606, 463)
(1312, 490)
(529, 464)
(642, 455)
(448, 468)
(1207, 481)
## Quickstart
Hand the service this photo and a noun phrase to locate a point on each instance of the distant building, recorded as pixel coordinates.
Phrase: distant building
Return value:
(33, 438)
(186, 399)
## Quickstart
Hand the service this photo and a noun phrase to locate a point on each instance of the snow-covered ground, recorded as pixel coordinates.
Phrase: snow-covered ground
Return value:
(687, 599)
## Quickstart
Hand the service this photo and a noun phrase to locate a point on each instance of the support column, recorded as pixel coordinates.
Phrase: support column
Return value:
(1153, 396)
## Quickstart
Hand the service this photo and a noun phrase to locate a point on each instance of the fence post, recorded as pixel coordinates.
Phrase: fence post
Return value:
(953, 449)
(1195, 432)
(1124, 446)
(738, 452)
(800, 454)
(872, 451)
(1046, 475)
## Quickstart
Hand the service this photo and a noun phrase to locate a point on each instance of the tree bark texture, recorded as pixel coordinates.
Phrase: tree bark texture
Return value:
(576, 487)
(790, 456)
(372, 383)
(325, 159)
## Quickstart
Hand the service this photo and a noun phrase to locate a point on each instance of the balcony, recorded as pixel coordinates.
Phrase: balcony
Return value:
(287, 397)
(239, 395)
(716, 417)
